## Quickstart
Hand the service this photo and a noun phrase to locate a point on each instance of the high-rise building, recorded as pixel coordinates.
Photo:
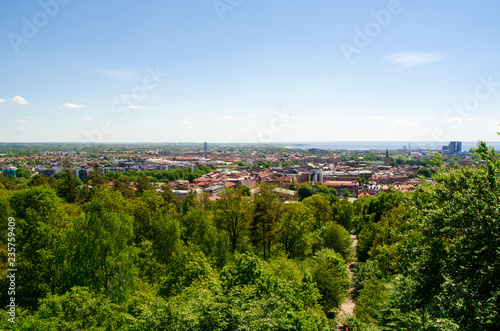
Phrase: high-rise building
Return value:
(205, 146)
(453, 147)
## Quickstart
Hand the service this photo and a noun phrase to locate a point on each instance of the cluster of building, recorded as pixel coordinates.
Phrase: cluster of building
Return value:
(454, 147)
(237, 168)
(9, 170)
(358, 182)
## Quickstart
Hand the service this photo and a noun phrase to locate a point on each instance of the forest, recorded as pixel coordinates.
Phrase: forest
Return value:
(113, 258)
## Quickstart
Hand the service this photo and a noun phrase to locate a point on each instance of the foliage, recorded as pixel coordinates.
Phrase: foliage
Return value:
(145, 209)
(320, 208)
(365, 240)
(432, 258)
(187, 265)
(95, 177)
(384, 248)
(266, 216)
(143, 185)
(166, 237)
(67, 186)
(198, 228)
(305, 191)
(99, 251)
(122, 184)
(334, 236)
(23, 172)
(169, 175)
(77, 309)
(5, 213)
(343, 213)
(100, 258)
(457, 274)
(41, 221)
(424, 172)
(37, 180)
(245, 190)
(233, 216)
(329, 192)
(371, 300)
(296, 231)
(330, 275)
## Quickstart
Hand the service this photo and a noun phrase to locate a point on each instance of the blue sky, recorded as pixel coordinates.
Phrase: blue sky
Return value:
(249, 70)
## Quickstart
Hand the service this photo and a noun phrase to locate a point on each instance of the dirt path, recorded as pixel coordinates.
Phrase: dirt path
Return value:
(347, 306)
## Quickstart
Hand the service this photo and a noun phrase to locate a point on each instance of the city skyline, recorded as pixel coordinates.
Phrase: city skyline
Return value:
(247, 72)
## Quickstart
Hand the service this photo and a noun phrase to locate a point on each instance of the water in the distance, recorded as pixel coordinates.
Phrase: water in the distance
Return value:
(392, 145)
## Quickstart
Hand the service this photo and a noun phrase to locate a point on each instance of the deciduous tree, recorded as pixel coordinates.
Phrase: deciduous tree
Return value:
(265, 223)
(233, 216)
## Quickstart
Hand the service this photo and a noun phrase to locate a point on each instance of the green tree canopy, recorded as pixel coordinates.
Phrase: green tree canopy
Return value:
(99, 247)
(67, 186)
(456, 273)
(331, 278)
(296, 226)
(321, 209)
(23, 172)
(37, 180)
(233, 216)
(266, 216)
(334, 236)
(41, 222)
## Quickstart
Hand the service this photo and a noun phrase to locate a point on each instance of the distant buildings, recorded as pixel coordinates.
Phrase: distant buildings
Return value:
(10, 170)
(454, 147)
(46, 172)
(82, 173)
(340, 186)
(59, 153)
(357, 175)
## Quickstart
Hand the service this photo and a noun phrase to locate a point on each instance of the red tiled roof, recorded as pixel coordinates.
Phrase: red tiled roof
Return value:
(339, 183)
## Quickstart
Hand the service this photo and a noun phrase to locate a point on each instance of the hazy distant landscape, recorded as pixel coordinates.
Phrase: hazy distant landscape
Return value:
(249, 165)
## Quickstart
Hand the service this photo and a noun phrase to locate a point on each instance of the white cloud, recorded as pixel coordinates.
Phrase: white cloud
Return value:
(378, 117)
(461, 119)
(407, 123)
(229, 117)
(140, 121)
(21, 128)
(29, 117)
(407, 60)
(3, 100)
(134, 107)
(20, 100)
(326, 119)
(74, 106)
(22, 121)
(185, 122)
(88, 118)
(125, 74)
